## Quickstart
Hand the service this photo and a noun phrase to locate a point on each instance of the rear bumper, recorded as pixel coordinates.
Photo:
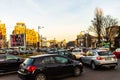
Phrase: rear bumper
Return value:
(25, 76)
(109, 64)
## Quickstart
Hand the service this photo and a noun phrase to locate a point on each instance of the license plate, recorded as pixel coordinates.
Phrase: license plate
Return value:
(108, 58)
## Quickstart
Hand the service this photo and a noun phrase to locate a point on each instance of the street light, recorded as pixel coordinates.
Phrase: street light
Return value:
(39, 27)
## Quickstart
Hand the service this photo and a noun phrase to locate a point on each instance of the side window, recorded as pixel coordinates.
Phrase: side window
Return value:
(9, 57)
(48, 60)
(2, 58)
(61, 60)
(37, 61)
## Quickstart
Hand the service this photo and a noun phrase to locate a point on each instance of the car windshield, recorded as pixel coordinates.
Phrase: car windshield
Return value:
(103, 53)
(28, 61)
(76, 50)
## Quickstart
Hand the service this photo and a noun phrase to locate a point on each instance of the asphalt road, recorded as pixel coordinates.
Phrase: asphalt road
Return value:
(88, 74)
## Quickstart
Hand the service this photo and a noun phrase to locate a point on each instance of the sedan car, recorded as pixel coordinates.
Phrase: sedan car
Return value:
(42, 67)
(9, 63)
(117, 52)
(98, 58)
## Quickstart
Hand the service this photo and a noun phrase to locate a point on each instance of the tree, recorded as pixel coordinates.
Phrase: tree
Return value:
(102, 26)
(97, 23)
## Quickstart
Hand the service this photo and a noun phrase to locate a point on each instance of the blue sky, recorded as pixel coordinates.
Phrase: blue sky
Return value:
(62, 19)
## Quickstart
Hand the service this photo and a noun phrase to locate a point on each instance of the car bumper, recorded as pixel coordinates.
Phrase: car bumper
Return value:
(25, 76)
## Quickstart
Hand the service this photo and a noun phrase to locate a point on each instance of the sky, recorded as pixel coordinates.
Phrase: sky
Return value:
(61, 19)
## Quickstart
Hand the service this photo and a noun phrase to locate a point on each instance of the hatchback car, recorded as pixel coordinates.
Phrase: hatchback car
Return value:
(97, 58)
(9, 63)
(43, 67)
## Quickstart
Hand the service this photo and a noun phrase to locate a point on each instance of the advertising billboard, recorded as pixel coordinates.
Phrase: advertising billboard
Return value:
(17, 40)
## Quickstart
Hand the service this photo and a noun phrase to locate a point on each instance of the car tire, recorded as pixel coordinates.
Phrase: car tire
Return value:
(93, 66)
(40, 76)
(77, 71)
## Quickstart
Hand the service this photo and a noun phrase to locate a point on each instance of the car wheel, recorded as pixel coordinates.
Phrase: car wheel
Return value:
(40, 76)
(77, 71)
(93, 66)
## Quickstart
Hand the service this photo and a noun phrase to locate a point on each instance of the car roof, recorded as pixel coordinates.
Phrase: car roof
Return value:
(43, 55)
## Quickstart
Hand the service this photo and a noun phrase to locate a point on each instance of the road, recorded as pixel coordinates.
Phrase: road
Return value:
(88, 74)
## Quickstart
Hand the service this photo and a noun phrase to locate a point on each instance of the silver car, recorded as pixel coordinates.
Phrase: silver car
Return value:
(97, 58)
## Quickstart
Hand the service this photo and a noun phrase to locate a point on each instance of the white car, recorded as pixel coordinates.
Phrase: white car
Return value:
(77, 53)
(98, 58)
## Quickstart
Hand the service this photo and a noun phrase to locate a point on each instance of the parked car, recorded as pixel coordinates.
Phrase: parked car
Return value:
(117, 52)
(45, 66)
(9, 63)
(11, 51)
(98, 58)
(77, 53)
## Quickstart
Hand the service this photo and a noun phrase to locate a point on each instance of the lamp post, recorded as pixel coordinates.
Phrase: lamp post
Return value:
(39, 27)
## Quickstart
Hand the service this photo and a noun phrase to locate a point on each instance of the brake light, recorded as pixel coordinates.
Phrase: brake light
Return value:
(31, 68)
(99, 58)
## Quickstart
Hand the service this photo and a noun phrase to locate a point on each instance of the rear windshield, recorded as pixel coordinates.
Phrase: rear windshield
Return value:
(76, 50)
(28, 61)
(103, 53)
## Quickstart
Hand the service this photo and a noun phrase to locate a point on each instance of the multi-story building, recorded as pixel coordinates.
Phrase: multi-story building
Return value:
(31, 36)
(2, 35)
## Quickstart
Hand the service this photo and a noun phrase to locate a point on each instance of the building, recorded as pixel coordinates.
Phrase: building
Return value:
(2, 35)
(31, 36)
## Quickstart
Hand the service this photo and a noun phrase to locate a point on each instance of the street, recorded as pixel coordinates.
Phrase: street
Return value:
(88, 74)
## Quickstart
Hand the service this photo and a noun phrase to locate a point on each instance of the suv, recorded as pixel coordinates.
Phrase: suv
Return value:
(42, 67)
(100, 57)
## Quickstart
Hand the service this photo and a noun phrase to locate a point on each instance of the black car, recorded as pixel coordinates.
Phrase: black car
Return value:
(43, 67)
(9, 63)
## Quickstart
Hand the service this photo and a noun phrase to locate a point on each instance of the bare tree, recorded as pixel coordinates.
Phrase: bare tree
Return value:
(97, 23)
(102, 26)
(108, 24)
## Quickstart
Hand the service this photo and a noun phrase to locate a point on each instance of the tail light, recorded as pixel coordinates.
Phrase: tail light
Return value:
(99, 58)
(31, 68)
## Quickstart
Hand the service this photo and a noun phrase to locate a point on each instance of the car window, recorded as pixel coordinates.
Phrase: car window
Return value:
(61, 59)
(9, 57)
(61, 53)
(28, 61)
(2, 58)
(103, 53)
(37, 61)
(48, 60)
(76, 50)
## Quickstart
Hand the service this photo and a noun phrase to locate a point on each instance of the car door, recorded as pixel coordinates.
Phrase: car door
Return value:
(3, 64)
(12, 63)
(88, 58)
(65, 65)
(50, 67)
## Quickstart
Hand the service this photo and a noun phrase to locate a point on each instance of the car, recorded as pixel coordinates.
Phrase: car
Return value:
(66, 53)
(46, 66)
(77, 53)
(9, 63)
(117, 52)
(98, 58)
(11, 51)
